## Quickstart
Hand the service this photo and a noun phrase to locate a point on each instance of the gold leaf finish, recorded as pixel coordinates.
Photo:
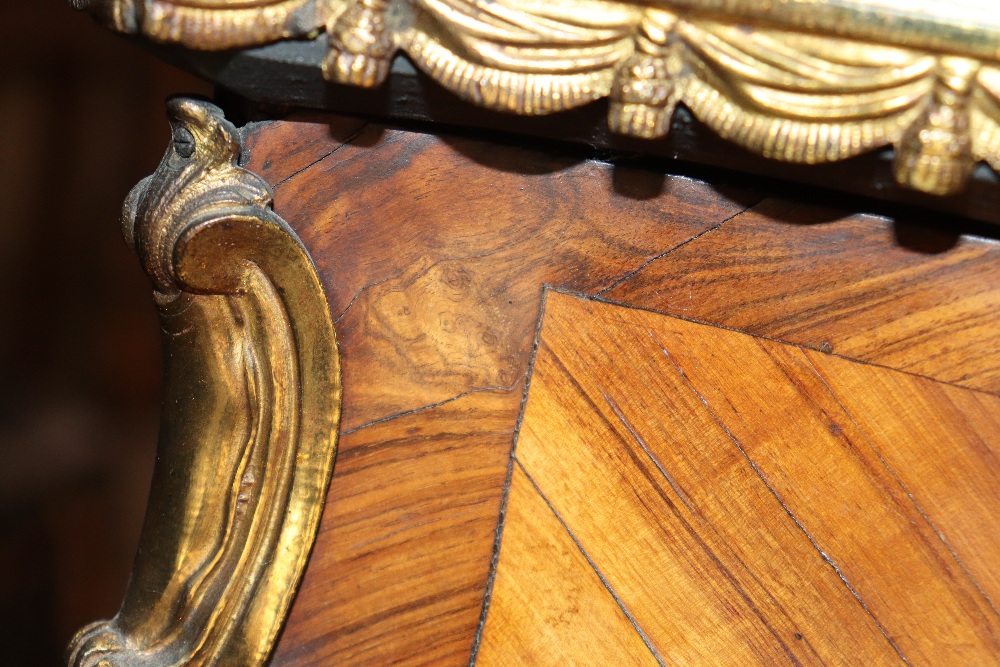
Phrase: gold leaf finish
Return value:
(798, 81)
(361, 44)
(251, 412)
(522, 56)
(209, 24)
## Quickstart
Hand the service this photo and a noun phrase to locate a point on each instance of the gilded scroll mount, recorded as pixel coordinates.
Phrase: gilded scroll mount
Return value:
(251, 410)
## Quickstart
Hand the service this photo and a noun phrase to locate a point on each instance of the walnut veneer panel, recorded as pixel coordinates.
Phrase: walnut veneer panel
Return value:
(821, 465)
(732, 505)
(400, 564)
(548, 602)
(897, 295)
(434, 252)
(942, 443)
(285, 150)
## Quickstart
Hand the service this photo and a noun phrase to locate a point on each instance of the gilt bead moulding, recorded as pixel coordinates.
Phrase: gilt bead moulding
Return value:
(801, 81)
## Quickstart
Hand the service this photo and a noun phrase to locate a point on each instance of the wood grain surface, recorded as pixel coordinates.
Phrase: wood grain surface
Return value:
(285, 150)
(548, 600)
(434, 252)
(734, 506)
(899, 295)
(400, 563)
(944, 448)
(831, 479)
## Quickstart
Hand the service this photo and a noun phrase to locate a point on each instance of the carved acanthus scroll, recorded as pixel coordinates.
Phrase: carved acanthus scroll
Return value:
(251, 412)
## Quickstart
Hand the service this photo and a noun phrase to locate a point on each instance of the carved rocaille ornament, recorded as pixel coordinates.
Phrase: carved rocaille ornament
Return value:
(251, 412)
(799, 81)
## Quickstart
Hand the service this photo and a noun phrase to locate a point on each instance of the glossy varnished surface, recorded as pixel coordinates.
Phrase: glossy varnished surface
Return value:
(434, 252)
(549, 601)
(898, 295)
(733, 505)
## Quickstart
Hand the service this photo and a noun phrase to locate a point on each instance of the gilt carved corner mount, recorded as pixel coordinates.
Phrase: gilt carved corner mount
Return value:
(802, 81)
(251, 412)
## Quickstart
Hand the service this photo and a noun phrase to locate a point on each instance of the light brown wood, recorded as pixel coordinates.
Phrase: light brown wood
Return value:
(676, 519)
(548, 602)
(734, 507)
(942, 444)
(830, 479)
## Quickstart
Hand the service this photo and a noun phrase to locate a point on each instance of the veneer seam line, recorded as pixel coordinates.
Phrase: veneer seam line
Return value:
(645, 448)
(902, 485)
(632, 273)
(753, 334)
(424, 408)
(593, 565)
(357, 295)
(312, 164)
(760, 473)
(737, 586)
(505, 493)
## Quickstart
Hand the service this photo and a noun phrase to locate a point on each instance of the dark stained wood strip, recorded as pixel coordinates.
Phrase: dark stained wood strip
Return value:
(288, 73)
(901, 296)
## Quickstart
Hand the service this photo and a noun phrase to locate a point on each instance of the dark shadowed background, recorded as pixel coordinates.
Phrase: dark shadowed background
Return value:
(81, 121)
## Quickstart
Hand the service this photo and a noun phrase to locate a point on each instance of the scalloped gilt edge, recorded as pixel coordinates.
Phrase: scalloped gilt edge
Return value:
(787, 95)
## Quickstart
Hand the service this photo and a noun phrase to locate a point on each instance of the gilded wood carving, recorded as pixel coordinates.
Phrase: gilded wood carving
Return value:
(795, 81)
(251, 412)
